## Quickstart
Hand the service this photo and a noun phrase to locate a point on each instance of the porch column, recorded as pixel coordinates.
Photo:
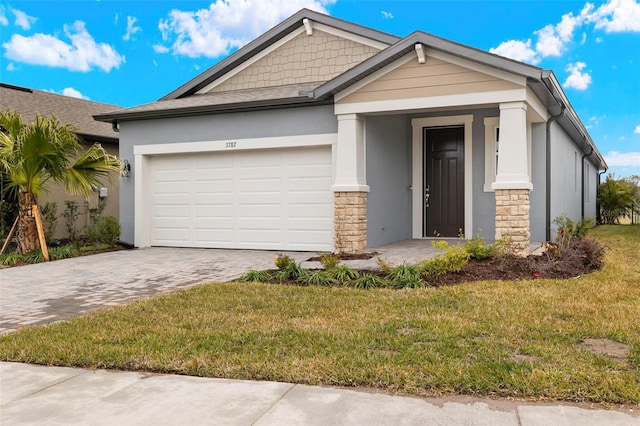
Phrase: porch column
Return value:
(350, 188)
(512, 185)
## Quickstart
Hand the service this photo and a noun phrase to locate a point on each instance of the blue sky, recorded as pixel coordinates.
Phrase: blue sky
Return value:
(132, 52)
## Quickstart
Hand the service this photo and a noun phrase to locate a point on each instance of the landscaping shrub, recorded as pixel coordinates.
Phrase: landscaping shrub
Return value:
(70, 215)
(405, 276)
(63, 252)
(367, 281)
(343, 273)
(319, 277)
(292, 271)
(567, 231)
(282, 261)
(106, 231)
(452, 260)
(49, 213)
(478, 248)
(256, 276)
(329, 260)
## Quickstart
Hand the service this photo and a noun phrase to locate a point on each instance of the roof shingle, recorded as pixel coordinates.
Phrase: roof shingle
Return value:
(78, 112)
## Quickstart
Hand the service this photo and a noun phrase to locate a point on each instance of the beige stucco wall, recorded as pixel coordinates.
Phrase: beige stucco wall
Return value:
(304, 59)
(434, 78)
(56, 193)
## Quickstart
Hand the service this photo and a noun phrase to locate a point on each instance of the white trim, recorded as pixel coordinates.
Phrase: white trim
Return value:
(308, 26)
(541, 114)
(474, 66)
(246, 64)
(406, 105)
(420, 52)
(491, 124)
(373, 77)
(350, 36)
(417, 165)
(237, 144)
(142, 173)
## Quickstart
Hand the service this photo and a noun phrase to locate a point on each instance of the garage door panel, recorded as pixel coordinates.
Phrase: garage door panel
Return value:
(215, 187)
(171, 187)
(171, 211)
(213, 211)
(258, 185)
(276, 199)
(172, 235)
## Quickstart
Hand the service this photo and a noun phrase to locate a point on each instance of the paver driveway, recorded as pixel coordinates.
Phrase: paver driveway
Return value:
(60, 290)
(48, 292)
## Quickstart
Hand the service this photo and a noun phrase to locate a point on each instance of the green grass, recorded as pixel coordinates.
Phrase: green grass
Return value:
(428, 341)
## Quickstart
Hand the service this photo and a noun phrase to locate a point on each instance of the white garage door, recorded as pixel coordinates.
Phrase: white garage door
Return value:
(271, 199)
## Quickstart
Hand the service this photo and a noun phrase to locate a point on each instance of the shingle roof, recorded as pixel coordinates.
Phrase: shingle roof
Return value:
(78, 112)
(237, 99)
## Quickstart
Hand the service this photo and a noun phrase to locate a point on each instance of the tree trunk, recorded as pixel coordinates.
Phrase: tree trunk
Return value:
(27, 235)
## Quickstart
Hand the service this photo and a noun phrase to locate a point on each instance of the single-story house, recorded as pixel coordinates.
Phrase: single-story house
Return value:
(325, 135)
(78, 112)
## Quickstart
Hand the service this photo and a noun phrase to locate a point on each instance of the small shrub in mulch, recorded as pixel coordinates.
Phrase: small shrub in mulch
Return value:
(572, 258)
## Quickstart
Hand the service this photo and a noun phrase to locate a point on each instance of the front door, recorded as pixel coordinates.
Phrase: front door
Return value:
(443, 187)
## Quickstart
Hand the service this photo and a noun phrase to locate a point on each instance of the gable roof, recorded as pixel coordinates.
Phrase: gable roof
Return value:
(269, 38)
(185, 100)
(78, 112)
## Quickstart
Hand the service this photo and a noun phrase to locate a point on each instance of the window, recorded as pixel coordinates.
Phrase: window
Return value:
(491, 150)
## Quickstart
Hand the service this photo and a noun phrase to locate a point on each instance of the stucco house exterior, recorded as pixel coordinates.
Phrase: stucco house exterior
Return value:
(78, 112)
(325, 135)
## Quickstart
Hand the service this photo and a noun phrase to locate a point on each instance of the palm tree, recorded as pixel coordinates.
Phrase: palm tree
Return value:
(44, 151)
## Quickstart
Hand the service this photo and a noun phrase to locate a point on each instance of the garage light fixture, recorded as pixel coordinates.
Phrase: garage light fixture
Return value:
(125, 170)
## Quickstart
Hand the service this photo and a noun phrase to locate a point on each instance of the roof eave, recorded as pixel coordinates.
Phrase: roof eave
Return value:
(570, 121)
(208, 109)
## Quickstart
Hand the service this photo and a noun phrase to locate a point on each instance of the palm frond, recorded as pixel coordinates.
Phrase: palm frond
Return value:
(90, 170)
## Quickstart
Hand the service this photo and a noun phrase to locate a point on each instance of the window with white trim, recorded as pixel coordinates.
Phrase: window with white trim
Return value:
(491, 150)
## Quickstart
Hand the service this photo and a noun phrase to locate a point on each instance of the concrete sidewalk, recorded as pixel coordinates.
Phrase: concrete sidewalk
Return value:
(36, 395)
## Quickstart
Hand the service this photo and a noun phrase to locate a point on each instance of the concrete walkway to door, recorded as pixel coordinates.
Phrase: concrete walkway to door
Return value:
(64, 289)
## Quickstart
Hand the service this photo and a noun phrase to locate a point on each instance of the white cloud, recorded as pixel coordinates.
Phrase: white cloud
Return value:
(584, 38)
(3, 18)
(598, 39)
(517, 50)
(131, 28)
(636, 131)
(23, 20)
(158, 48)
(577, 79)
(82, 54)
(622, 159)
(227, 24)
(70, 91)
(11, 67)
(549, 43)
(614, 16)
(115, 20)
(386, 15)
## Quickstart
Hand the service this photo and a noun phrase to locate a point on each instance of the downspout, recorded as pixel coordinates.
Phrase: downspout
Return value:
(582, 182)
(599, 215)
(548, 171)
(114, 126)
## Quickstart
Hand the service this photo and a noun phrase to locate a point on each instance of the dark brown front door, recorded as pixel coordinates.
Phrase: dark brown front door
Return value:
(443, 181)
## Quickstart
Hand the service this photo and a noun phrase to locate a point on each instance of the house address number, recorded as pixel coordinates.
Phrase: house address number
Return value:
(230, 145)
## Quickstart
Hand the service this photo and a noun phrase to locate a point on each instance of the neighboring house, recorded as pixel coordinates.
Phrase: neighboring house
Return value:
(78, 112)
(325, 135)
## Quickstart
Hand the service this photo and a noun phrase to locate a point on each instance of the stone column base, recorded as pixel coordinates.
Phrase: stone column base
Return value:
(512, 218)
(350, 222)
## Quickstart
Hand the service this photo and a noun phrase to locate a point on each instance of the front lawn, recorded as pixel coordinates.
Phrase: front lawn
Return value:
(521, 339)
